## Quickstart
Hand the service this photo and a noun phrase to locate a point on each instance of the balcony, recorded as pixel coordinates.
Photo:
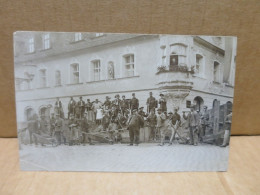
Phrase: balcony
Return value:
(175, 82)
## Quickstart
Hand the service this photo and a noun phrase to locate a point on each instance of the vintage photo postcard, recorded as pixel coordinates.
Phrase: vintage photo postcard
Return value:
(123, 102)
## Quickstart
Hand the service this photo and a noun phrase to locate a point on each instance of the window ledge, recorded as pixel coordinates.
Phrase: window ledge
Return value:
(74, 42)
(30, 53)
(75, 83)
(43, 87)
(115, 79)
(21, 90)
(216, 82)
(57, 86)
(199, 76)
(45, 49)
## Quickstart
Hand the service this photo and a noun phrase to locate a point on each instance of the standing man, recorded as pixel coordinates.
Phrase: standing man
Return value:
(88, 108)
(175, 120)
(81, 105)
(107, 103)
(204, 120)
(58, 107)
(162, 102)
(161, 125)
(134, 124)
(124, 106)
(71, 107)
(193, 120)
(151, 103)
(228, 122)
(52, 124)
(59, 130)
(96, 105)
(33, 127)
(152, 120)
(134, 103)
(117, 102)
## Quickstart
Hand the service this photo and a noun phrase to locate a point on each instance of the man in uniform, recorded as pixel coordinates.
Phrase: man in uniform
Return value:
(161, 125)
(162, 102)
(106, 120)
(193, 120)
(135, 122)
(124, 105)
(151, 103)
(175, 120)
(85, 129)
(134, 103)
(71, 107)
(81, 105)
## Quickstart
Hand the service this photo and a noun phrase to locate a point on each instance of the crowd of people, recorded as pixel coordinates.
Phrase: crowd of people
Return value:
(111, 116)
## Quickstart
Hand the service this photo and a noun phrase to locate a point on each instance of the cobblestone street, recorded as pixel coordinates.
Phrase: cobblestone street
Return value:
(122, 158)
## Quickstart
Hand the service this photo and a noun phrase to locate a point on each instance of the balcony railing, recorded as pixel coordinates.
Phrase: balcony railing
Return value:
(176, 68)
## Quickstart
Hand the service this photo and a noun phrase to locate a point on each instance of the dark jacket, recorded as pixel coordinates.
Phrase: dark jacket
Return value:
(135, 121)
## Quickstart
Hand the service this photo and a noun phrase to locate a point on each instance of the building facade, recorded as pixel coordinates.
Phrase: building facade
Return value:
(186, 69)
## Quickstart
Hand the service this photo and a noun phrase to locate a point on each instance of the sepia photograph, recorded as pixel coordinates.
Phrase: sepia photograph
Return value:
(118, 102)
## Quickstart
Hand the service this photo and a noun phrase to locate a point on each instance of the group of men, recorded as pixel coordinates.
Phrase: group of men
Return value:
(118, 114)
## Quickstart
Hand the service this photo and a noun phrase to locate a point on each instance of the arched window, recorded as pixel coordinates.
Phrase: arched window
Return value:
(45, 111)
(74, 73)
(111, 70)
(29, 113)
(198, 102)
(178, 55)
(57, 78)
(216, 72)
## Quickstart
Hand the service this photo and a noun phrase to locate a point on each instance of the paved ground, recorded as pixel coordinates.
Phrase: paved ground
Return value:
(123, 158)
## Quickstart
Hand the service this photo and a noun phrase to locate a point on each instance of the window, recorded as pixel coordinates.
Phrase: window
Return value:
(31, 48)
(96, 70)
(99, 34)
(163, 49)
(216, 72)
(42, 77)
(199, 64)
(74, 68)
(188, 104)
(178, 55)
(129, 65)
(57, 78)
(29, 114)
(46, 41)
(77, 37)
(198, 102)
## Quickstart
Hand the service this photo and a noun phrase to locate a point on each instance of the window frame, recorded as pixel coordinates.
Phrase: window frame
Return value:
(73, 73)
(131, 65)
(46, 41)
(95, 63)
(31, 45)
(41, 78)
